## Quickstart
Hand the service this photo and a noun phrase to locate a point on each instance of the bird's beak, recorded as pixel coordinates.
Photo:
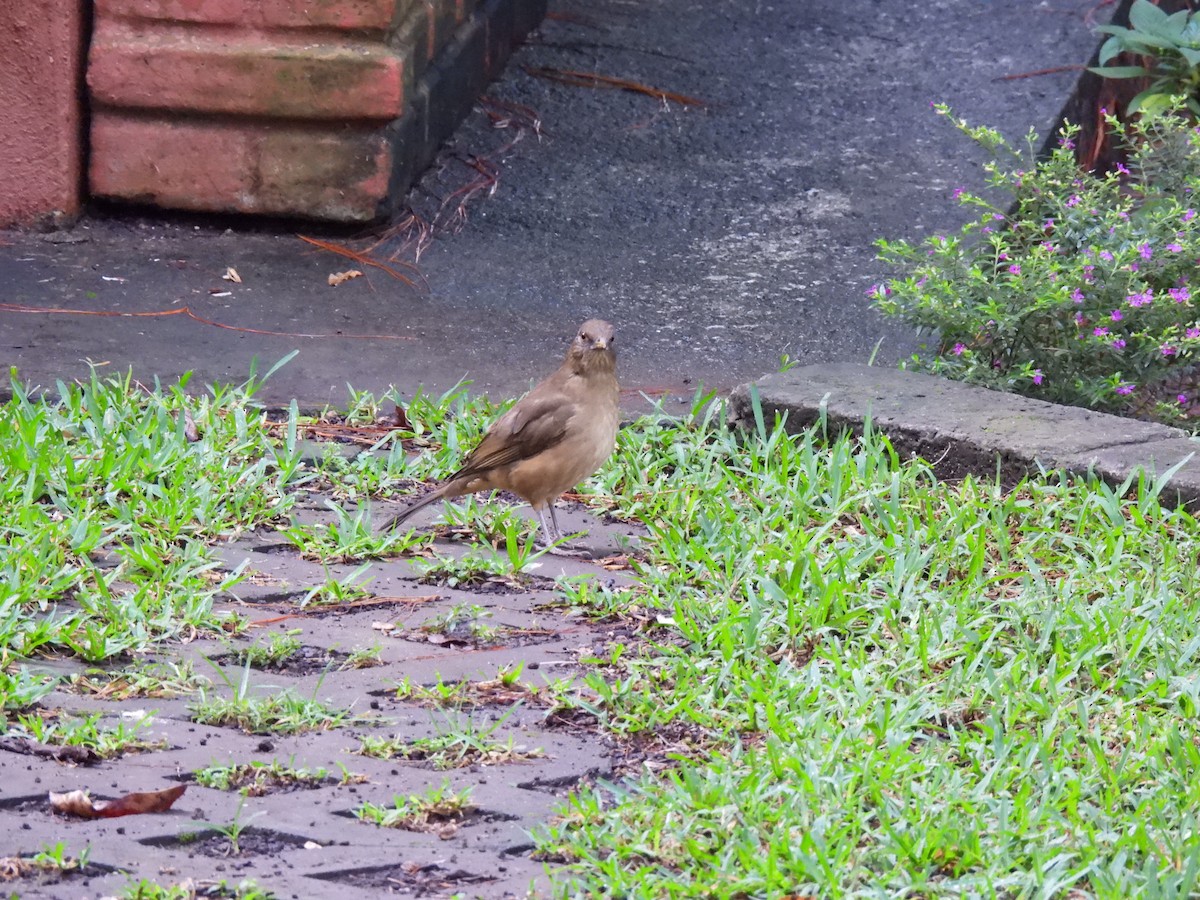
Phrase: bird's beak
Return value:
(599, 343)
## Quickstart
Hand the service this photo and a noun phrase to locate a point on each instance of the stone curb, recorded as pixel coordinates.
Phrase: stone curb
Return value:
(966, 430)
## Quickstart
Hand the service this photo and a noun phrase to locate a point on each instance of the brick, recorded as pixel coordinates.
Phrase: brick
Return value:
(41, 141)
(301, 170)
(374, 15)
(242, 73)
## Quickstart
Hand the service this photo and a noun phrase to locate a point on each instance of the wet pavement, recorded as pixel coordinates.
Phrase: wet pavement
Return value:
(717, 236)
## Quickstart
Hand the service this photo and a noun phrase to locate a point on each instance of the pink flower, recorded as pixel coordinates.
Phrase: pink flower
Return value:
(1125, 388)
(1014, 269)
(1118, 343)
(1188, 215)
(1099, 331)
(958, 192)
(1077, 295)
(1144, 251)
(1037, 376)
(1121, 168)
(1073, 200)
(1079, 318)
(1182, 398)
(1179, 294)
(1117, 315)
(1140, 299)
(1193, 333)
(958, 349)
(1174, 248)
(1168, 350)
(1106, 256)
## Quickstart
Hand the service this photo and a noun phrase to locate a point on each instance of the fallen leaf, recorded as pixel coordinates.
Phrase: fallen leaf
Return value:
(78, 803)
(217, 292)
(232, 275)
(190, 432)
(336, 278)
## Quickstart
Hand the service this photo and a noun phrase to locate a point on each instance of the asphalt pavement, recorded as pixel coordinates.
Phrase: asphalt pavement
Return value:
(717, 230)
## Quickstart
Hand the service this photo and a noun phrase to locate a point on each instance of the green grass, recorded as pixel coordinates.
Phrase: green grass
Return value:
(876, 684)
(108, 511)
(850, 679)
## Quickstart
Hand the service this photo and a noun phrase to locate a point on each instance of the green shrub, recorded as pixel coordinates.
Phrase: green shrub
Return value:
(1083, 291)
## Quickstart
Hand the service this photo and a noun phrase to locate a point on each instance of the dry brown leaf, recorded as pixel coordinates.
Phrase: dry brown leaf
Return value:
(336, 278)
(78, 803)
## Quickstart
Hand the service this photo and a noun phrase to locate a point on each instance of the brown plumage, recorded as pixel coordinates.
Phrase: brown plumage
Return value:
(555, 436)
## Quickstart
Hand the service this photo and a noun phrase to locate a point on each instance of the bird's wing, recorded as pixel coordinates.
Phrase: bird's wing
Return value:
(532, 426)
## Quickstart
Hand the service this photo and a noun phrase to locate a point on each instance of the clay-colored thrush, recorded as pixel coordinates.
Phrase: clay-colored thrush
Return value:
(555, 436)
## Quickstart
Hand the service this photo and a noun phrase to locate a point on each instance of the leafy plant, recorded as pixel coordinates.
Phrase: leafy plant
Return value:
(438, 809)
(85, 732)
(1083, 293)
(254, 779)
(49, 859)
(23, 688)
(278, 649)
(282, 712)
(1171, 43)
(453, 747)
(233, 829)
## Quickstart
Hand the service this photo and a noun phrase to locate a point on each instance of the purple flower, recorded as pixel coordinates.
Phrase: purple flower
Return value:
(1106, 256)
(1140, 299)
(1193, 333)
(1125, 388)
(1168, 350)
(1014, 269)
(1049, 223)
(958, 192)
(1073, 200)
(1089, 273)
(998, 217)
(1182, 398)
(1077, 295)
(1099, 331)
(1179, 294)
(1118, 343)
(1066, 143)
(1037, 376)
(958, 349)
(1121, 168)
(1117, 315)
(1079, 318)
(1144, 251)
(1188, 215)
(1174, 248)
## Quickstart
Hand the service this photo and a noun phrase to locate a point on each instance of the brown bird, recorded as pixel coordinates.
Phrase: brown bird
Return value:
(555, 436)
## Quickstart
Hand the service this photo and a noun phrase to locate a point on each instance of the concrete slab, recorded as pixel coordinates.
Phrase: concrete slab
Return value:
(966, 430)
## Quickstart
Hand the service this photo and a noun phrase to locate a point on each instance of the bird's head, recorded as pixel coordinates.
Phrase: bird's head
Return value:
(592, 349)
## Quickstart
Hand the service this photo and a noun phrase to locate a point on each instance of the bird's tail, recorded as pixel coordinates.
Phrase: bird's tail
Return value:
(416, 507)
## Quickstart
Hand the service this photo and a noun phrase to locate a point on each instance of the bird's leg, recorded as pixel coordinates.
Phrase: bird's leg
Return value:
(555, 534)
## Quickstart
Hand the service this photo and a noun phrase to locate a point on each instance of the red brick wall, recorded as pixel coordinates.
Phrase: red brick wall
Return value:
(41, 50)
(281, 107)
